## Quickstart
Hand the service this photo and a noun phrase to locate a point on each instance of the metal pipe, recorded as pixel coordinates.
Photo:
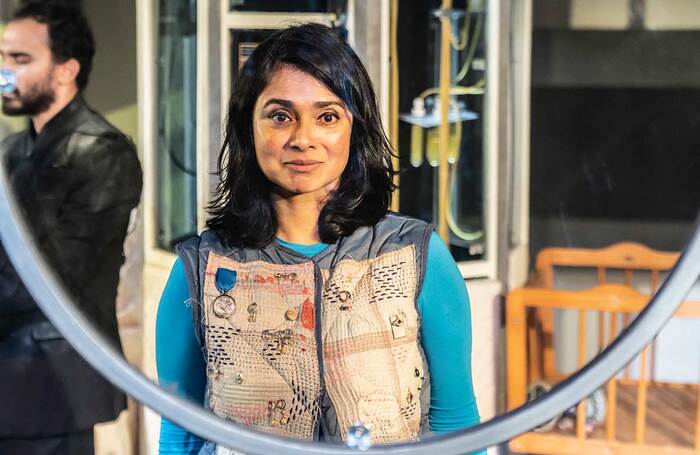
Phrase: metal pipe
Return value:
(444, 130)
(394, 113)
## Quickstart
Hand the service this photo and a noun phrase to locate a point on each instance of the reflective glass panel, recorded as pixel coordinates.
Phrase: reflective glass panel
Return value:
(419, 41)
(288, 6)
(176, 144)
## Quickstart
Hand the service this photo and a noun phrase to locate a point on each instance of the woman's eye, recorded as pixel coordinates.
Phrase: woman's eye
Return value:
(279, 117)
(329, 117)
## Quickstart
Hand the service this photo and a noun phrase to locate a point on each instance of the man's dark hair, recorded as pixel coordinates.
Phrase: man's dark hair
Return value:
(70, 35)
(242, 211)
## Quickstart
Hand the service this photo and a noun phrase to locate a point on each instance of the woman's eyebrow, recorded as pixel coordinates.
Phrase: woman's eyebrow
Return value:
(284, 103)
(322, 104)
(290, 105)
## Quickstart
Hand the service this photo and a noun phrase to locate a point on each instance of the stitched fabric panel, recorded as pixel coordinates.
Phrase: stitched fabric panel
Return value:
(262, 364)
(372, 366)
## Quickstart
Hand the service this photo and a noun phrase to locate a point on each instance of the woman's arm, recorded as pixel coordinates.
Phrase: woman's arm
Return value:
(447, 341)
(181, 367)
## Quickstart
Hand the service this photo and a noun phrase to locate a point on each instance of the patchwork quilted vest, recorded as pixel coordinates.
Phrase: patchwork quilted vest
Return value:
(305, 347)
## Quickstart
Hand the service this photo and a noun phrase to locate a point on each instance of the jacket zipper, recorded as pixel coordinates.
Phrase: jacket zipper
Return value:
(318, 307)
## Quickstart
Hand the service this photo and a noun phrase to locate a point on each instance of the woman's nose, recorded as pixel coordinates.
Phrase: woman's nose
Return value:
(302, 136)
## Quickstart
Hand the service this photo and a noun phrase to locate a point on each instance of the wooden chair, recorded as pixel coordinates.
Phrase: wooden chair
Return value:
(627, 256)
(605, 299)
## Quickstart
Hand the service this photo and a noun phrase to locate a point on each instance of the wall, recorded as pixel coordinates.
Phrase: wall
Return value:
(617, 14)
(112, 89)
(484, 296)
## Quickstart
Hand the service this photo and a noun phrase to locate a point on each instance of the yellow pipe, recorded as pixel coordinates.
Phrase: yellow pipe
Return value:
(476, 89)
(416, 145)
(461, 42)
(444, 134)
(432, 147)
(472, 49)
(394, 114)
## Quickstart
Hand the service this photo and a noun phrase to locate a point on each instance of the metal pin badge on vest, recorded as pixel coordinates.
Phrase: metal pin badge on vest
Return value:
(214, 370)
(291, 314)
(276, 414)
(224, 304)
(398, 325)
(345, 300)
(252, 311)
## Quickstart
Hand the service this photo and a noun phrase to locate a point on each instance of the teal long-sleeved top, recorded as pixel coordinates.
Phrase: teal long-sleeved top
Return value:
(444, 308)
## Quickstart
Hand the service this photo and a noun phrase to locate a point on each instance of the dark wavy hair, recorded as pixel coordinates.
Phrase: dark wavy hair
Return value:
(241, 211)
(69, 33)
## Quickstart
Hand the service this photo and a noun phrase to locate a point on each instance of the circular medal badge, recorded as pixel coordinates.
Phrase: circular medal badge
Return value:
(224, 306)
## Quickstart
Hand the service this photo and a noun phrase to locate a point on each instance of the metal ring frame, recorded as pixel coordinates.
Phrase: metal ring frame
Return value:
(57, 305)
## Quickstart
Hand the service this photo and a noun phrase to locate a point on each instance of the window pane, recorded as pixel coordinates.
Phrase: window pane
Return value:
(419, 41)
(288, 6)
(176, 151)
(615, 116)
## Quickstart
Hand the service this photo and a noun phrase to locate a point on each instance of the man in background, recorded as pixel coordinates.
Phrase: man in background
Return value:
(77, 179)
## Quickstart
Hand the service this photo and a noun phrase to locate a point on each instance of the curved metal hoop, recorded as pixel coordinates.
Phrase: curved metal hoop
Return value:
(54, 301)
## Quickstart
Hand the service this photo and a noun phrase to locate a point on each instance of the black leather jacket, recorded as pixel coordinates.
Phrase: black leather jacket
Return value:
(77, 182)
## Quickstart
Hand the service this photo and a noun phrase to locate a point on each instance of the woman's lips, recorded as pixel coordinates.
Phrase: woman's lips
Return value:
(302, 165)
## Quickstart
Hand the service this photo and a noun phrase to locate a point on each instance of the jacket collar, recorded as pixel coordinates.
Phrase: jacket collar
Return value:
(58, 124)
(61, 124)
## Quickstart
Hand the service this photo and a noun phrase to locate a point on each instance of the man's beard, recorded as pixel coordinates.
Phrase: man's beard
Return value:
(35, 101)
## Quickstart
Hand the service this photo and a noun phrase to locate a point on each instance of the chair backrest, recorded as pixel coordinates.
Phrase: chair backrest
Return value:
(629, 257)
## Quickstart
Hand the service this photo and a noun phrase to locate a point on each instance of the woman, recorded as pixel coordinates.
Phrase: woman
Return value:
(314, 307)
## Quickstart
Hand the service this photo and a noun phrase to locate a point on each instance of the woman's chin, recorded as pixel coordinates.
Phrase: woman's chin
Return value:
(301, 186)
(300, 190)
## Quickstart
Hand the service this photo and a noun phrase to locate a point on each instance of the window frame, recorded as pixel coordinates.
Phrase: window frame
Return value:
(214, 23)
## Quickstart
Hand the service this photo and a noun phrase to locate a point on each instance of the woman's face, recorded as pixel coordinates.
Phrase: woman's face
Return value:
(302, 134)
